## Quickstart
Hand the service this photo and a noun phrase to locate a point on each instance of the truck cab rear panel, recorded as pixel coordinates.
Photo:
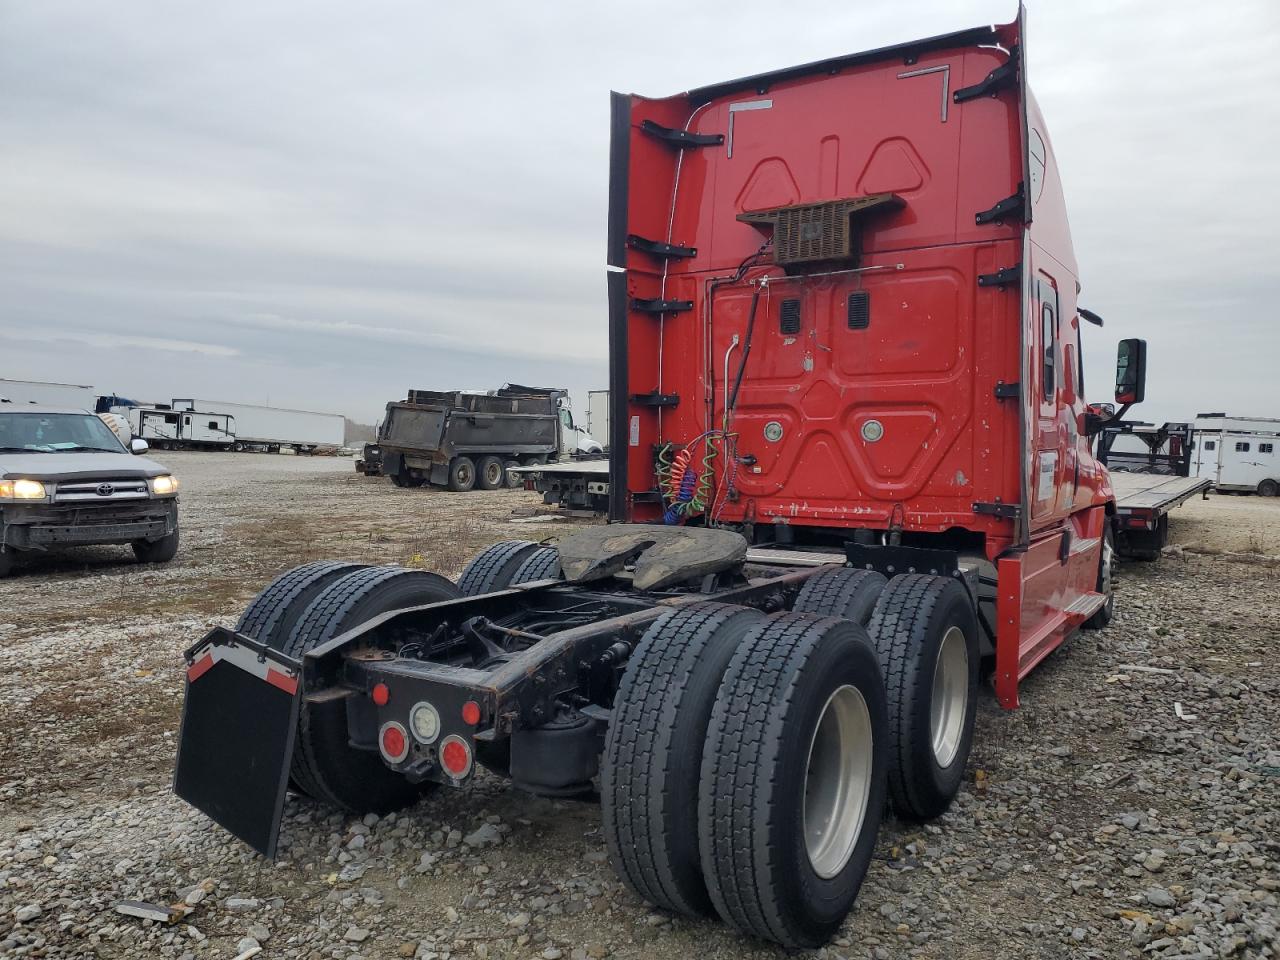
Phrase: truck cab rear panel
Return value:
(906, 382)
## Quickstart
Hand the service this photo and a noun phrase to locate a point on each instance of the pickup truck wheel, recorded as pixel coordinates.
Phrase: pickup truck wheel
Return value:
(513, 480)
(1268, 488)
(462, 474)
(792, 786)
(494, 567)
(1106, 564)
(271, 615)
(841, 592)
(492, 473)
(156, 551)
(925, 633)
(653, 751)
(324, 764)
(541, 564)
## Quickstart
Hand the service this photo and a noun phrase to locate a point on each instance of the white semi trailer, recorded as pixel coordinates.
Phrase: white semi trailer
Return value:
(274, 427)
(1239, 454)
(70, 395)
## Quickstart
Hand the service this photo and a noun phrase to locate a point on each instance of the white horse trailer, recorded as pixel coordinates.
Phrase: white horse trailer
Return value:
(1239, 454)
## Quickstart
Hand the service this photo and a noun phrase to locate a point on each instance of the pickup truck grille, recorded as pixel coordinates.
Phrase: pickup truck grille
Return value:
(101, 490)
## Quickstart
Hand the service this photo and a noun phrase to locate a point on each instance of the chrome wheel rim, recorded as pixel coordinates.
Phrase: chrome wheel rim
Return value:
(950, 696)
(837, 783)
(493, 475)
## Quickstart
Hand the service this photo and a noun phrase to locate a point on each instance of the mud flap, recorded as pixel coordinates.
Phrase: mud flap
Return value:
(236, 738)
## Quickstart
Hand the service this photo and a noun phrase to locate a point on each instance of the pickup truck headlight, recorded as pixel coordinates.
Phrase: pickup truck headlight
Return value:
(22, 490)
(164, 485)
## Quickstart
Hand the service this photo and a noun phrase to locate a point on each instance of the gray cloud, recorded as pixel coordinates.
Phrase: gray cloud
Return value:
(325, 204)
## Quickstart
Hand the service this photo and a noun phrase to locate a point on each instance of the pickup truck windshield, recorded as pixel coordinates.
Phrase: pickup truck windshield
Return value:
(55, 433)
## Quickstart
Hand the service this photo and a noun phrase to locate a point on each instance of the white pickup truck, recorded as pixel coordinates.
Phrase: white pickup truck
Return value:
(66, 479)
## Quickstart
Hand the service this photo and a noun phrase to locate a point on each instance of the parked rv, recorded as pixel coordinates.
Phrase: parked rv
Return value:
(168, 429)
(463, 440)
(270, 428)
(66, 479)
(1239, 454)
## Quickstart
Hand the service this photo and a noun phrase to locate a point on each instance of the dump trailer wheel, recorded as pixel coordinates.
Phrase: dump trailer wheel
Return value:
(841, 592)
(462, 474)
(513, 480)
(653, 751)
(792, 785)
(271, 615)
(493, 567)
(325, 765)
(1268, 488)
(541, 564)
(491, 473)
(925, 633)
(1106, 565)
(156, 551)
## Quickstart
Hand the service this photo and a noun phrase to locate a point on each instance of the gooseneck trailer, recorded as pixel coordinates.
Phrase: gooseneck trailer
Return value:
(842, 315)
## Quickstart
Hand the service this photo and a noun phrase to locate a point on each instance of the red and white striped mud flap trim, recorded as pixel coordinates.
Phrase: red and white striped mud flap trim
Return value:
(248, 661)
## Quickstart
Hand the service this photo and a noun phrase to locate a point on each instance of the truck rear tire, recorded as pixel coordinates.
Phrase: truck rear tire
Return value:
(792, 785)
(271, 615)
(513, 480)
(156, 551)
(841, 592)
(492, 474)
(462, 474)
(494, 567)
(1106, 564)
(653, 752)
(325, 765)
(1268, 488)
(925, 633)
(542, 564)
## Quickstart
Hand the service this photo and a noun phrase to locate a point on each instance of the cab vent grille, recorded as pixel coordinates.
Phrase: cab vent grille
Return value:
(859, 310)
(789, 322)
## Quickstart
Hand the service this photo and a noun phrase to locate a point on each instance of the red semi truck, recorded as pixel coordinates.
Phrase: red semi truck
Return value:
(850, 469)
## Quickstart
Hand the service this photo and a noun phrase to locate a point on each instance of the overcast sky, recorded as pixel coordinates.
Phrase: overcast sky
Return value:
(320, 205)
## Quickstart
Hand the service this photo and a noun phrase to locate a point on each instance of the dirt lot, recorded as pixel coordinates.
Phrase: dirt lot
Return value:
(1094, 821)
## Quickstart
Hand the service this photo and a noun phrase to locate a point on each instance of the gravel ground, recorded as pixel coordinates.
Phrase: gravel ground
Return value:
(1094, 821)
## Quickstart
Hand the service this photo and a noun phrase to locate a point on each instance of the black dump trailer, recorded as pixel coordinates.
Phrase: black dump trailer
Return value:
(464, 441)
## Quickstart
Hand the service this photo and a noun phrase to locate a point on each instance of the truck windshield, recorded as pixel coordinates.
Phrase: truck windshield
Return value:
(55, 433)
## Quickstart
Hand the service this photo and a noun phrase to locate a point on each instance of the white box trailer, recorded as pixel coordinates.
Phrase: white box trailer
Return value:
(598, 415)
(79, 396)
(275, 427)
(1240, 454)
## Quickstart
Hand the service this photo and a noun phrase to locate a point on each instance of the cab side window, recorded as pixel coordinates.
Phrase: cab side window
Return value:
(1048, 340)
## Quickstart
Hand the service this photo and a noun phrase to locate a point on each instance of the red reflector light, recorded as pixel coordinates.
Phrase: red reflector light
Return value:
(393, 742)
(471, 713)
(381, 695)
(455, 757)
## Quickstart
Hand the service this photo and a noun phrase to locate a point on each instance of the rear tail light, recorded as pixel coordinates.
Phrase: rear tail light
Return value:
(471, 713)
(455, 757)
(393, 741)
(381, 695)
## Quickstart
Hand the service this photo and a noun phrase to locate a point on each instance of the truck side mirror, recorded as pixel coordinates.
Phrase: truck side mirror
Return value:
(1131, 372)
(138, 446)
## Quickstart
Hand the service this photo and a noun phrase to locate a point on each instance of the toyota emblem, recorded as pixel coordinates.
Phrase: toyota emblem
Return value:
(105, 489)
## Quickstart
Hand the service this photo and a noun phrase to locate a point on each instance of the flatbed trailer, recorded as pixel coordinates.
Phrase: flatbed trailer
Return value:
(1143, 502)
(834, 321)
(576, 484)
